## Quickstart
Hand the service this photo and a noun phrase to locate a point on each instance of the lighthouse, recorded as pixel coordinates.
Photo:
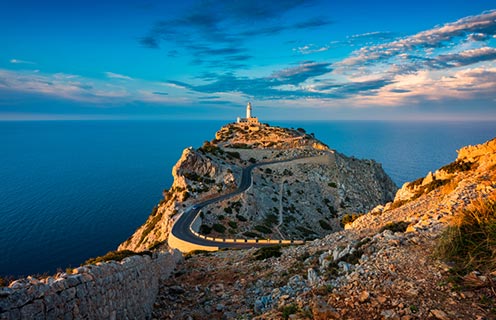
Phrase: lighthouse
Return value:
(249, 118)
(248, 111)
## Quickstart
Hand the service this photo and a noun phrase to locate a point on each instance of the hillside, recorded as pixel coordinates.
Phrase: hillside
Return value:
(385, 265)
(302, 198)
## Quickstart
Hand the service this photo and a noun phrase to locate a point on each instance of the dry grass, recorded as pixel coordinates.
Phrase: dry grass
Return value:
(470, 242)
(449, 187)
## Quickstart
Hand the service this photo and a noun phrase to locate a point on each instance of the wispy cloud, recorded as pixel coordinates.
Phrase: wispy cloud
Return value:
(83, 89)
(310, 48)
(112, 75)
(219, 40)
(19, 61)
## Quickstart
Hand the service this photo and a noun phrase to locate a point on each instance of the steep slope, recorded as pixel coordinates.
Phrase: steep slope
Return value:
(381, 267)
(302, 198)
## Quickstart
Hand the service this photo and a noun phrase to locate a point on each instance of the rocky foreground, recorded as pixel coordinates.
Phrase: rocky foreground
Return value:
(303, 198)
(382, 266)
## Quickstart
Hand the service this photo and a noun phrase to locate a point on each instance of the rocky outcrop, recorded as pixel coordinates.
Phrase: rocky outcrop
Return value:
(381, 267)
(301, 198)
(110, 290)
(198, 174)
(469, 157)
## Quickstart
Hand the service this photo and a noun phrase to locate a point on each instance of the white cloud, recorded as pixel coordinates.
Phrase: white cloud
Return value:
(310, 48)
(112, 75)
(19, 61)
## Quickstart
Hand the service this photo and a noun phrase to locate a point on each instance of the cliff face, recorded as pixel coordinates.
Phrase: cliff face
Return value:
(303, 197)
(197, 175)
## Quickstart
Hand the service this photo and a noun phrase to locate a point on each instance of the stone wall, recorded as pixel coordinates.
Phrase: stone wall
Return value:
(110, 290)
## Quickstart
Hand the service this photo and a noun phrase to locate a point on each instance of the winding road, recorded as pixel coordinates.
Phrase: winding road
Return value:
(181, 228)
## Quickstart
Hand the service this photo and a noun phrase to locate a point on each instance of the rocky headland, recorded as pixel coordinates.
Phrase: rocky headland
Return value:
(302, 198)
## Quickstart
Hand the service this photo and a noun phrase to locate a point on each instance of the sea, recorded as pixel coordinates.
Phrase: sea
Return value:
(71, 190)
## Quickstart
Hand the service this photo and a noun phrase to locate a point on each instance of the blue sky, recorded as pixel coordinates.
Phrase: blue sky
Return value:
(293, 59)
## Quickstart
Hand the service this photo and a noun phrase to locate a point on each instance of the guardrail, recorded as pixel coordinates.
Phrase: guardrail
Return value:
(230, 240)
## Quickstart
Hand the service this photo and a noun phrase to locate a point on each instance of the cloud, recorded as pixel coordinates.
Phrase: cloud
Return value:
(475, 84)
(216, 31)
(19, 61)
(484, 25)
(302, 72)
(112, 75)
(287, 83)
(465, 57)
(83, 89)
(310, 48)
(215, 102)
(372, 35)
(149, 42)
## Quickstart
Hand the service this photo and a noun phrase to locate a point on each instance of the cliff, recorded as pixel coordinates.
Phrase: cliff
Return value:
(385, 265)
(301, 198)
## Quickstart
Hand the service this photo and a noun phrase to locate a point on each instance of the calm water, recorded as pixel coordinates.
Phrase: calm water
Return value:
(70, 190)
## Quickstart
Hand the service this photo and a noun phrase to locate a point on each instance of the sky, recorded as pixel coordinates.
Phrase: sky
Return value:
(292, 59)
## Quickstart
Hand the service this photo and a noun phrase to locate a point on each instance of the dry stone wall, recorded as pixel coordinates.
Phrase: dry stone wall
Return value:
(110, 290)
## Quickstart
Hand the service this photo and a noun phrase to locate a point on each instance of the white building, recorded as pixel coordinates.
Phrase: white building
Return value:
(249, 118)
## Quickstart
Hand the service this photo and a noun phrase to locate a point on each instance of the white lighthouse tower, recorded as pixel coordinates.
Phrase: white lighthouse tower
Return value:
(248, 111)
(249, 118)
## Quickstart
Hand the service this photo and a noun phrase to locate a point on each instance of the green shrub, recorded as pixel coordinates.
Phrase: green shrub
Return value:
(232, 224)
(268, 252)
(250, 234)
(332, 184)
(262, 229)
(241, 218)
(204, 229)
(234, 154)
(210, 148)
(156, 245)
(252, 160)
(306, 232)
(150, 224)
(115, 256)
(287, 172)
(398, 226)
(457, 166)
(289, 310)
(324, 225)
(271, 219)
(219, 228)
(470, 242)
(348, 218)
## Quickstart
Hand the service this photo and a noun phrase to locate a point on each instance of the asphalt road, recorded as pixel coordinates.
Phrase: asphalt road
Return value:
(181, 229)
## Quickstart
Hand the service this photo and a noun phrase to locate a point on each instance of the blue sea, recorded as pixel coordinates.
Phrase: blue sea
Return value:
(71, 190)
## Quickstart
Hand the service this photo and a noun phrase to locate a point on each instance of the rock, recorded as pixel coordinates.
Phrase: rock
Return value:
(364, 296)
(313, 278)
(219, 307)
(388, 314)
(345, 266)
(176, 290)
(439, 314)
(322, 311)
